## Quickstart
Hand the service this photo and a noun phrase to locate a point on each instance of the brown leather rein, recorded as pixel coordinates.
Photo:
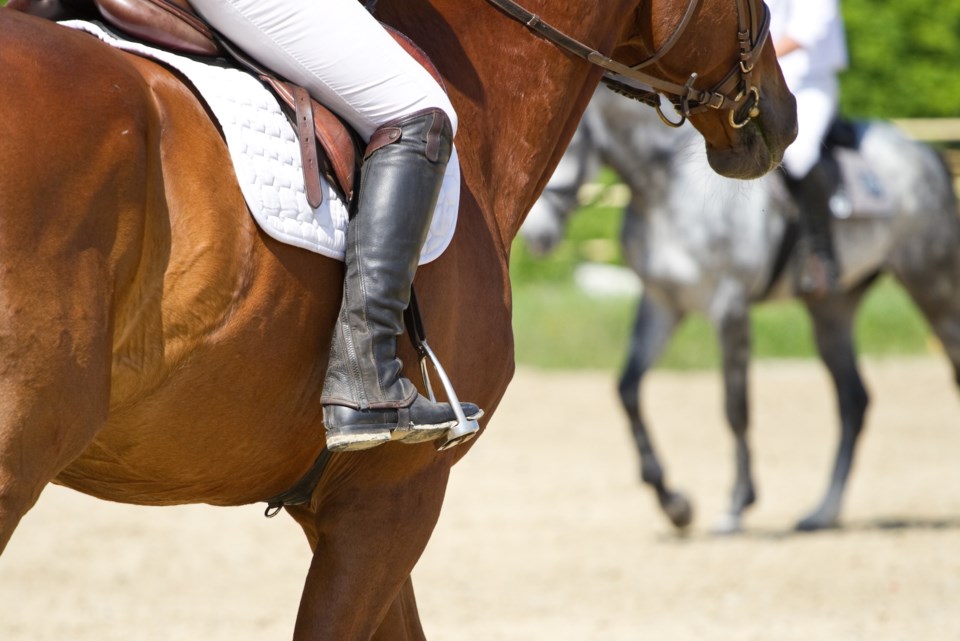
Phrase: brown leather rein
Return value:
(734, 93)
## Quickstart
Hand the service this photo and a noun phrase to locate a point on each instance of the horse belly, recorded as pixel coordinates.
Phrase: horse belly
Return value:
(232, 413)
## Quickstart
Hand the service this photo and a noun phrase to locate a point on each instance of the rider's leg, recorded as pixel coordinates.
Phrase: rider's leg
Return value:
(365, 397)
(818, 270)
(812, 177)
(339, 52)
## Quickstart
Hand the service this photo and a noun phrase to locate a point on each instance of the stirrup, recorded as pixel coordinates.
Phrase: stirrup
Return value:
(465, 428)
(350, 429)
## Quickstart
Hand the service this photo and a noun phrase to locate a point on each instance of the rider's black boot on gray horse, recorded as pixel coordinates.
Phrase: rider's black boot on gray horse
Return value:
(366, 399)
(818, 270)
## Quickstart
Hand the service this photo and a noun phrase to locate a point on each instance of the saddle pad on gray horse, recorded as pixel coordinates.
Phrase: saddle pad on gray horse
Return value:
(861, 193)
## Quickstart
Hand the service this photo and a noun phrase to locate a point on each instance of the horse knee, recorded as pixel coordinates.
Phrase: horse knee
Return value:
(651, 472)
(738, 415)
(862, 399)
(853, 405)
(629, 390)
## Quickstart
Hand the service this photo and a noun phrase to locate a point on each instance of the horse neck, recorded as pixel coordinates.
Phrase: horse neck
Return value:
(518, 98)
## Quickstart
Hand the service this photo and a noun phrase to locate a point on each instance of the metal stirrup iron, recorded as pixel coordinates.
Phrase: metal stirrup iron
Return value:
(465, 428)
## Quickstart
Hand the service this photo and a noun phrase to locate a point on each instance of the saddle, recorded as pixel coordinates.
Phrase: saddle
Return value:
(327, 144)
(861, 193)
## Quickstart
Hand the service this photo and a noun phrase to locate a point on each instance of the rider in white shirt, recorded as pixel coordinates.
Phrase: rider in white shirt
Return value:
(339, 52)
(809, 39)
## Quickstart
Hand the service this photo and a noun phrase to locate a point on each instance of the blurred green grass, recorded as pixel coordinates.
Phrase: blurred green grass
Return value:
(557, 326)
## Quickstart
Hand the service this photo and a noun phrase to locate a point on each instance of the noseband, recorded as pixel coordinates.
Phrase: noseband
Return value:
(735, 93)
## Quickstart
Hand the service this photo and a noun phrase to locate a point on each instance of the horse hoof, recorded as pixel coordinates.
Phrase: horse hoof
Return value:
(678, 509)
(815, 522)
(727, 524)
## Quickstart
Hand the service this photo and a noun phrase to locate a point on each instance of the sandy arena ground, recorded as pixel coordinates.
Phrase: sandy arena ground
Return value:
(547, 535)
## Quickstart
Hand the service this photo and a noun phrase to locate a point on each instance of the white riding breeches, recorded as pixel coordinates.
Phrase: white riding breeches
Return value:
(817, 106)
(337, 51)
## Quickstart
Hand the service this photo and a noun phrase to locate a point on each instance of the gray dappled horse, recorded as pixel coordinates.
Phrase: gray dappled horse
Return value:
(703, 243)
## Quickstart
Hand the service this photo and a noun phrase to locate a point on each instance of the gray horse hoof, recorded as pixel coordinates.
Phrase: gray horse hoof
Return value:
(814, 522)
(728, 523)
(678, 509)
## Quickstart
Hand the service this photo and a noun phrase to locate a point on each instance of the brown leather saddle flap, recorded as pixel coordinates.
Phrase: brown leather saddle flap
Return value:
(170, 24)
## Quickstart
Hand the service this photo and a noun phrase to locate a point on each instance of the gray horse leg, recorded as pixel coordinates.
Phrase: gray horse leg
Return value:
(733, 329)
(931, 275)
(833, 318)
(652, 329)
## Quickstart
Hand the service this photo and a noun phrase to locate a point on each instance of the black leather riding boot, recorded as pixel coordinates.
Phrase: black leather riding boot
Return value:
(818, 270)
(366, 400)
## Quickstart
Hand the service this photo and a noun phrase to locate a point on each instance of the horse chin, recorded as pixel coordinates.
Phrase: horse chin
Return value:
(743, 163)
(754, 156)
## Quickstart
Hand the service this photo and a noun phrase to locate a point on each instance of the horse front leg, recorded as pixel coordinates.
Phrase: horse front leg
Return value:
(403, 619)
(654, 324)
(373, 516)
(54, 375)
(73, 186)
(732, 323)
(833, 329)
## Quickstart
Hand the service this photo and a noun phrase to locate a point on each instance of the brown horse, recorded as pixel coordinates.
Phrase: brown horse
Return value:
(157, 348)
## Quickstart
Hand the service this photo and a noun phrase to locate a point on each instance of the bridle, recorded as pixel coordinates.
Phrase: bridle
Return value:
(734, 93)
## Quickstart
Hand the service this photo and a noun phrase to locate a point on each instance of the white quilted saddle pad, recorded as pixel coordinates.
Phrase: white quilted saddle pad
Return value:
(266, 158)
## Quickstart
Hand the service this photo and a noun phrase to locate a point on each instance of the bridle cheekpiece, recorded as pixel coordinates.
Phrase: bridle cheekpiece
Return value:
(735, 93)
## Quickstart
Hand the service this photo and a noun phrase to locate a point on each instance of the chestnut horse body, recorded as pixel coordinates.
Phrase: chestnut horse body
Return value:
(157, 348)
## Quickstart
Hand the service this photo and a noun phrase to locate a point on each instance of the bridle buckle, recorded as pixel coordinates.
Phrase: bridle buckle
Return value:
(752, 112)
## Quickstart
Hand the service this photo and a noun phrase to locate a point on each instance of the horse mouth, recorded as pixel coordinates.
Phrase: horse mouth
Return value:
(742, 164)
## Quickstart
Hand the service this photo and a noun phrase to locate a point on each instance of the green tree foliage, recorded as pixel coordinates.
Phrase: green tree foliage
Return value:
(904, 58)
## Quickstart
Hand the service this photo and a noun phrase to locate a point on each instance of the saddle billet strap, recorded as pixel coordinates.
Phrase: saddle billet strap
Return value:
(340, 158)
(303, 111)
